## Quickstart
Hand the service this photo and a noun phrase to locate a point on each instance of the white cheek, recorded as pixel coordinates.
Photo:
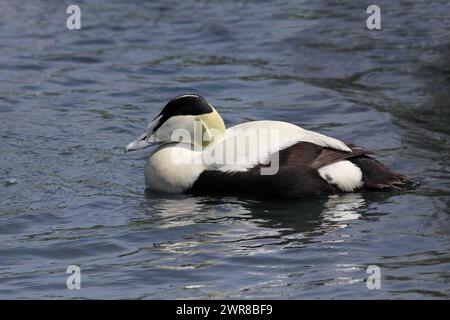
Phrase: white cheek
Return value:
(177, 128)
(162, 133)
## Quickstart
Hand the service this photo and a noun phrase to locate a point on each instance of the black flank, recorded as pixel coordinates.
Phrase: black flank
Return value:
(297, 175)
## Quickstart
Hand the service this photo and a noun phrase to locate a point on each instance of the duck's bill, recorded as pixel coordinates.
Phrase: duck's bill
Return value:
(143, 141)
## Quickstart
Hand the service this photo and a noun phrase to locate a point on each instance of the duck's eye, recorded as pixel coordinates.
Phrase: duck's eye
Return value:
(144, 138)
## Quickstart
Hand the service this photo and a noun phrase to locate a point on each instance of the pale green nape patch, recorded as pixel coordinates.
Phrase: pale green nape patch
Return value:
(213, 127)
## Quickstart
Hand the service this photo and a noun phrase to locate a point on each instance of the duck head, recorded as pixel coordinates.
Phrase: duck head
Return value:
(185, 119)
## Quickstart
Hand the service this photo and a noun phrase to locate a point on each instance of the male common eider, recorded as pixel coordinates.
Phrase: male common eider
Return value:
(194, 153)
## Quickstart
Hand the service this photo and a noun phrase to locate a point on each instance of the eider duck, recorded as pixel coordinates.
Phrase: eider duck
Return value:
(194, 153)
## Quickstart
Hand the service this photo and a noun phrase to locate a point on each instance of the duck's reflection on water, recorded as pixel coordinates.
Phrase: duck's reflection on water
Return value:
(217, 233)
(226, 218)
(343, 208)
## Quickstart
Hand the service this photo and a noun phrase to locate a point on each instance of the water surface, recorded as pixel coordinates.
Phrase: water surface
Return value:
(70, 101)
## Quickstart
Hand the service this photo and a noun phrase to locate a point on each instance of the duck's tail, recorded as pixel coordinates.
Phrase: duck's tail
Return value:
(377, 176)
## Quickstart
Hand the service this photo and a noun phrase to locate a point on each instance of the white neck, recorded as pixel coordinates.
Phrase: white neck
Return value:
(173, 168)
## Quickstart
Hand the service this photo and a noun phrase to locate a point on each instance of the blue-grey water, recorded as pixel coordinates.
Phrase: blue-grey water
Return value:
(71, 99)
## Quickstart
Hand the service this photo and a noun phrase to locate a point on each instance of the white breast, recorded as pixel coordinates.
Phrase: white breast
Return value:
(173, 168)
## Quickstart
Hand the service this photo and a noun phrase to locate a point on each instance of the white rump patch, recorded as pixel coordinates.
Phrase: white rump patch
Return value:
(343, 174)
